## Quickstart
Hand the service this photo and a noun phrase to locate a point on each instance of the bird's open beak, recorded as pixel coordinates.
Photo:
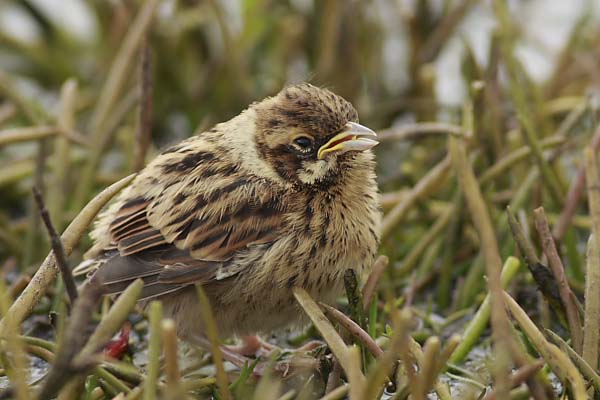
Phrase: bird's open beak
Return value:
(354, 137)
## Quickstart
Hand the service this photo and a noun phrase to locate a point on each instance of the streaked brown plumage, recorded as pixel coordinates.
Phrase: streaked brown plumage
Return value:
(283, 194)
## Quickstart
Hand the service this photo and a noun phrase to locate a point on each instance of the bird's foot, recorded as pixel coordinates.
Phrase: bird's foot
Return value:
(289, 366)
(289, 361)
(253, 345)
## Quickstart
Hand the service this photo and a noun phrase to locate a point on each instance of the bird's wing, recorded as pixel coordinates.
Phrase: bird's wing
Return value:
(184, 221)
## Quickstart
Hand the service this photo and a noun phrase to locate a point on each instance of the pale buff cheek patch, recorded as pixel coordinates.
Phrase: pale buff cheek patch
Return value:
(313, 171)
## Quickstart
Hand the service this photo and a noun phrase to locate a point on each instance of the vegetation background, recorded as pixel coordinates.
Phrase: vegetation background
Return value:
(480, 105)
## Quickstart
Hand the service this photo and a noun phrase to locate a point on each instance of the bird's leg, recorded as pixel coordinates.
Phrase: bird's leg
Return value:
(253, 345)
(309, 346)
(234, 357)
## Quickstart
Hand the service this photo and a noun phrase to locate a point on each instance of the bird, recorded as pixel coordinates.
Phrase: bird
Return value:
(283, 195)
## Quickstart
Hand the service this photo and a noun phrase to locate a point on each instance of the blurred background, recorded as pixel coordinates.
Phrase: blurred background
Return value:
(396, 61)
(89, 89)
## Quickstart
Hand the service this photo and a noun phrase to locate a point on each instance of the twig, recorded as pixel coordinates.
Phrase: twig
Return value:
(574, 194)
(525, 247)
(520, 376)
(334, 341)
(444, 31)
(354, 329)
(143, 132)
(111, 322)
(354, 296)
(154, 346)
(121, 65)
(591, 332)
(31, 133)
(428, 183)
(489, 246)
(514, 157)
(541, 274)
(369, 289)
(380, 373)
(427, 374)
(424, 243)
(77, 353)
(73, 340)
(62, 153)
(12, 354)
(333, 380)
(40, 282)
(435, 367)
(57, 247)
(111, 91)
(583, 366)
(556, 359)
(558, 270)
(354, 374)
(420, 130)
(31, 237)
(336, 394)
(478, 323)
(169, 337)
(524, 115)
(213, 336)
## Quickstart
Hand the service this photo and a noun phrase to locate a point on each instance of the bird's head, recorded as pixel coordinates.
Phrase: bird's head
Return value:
(308, 134)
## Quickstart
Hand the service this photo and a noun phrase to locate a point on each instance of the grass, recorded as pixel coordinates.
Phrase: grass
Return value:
(488, 282)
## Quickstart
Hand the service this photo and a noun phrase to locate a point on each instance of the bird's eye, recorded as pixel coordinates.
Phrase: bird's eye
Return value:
(303, 142)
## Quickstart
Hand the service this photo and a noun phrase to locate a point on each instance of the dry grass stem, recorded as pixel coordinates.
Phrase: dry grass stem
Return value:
(337, 394)
(410, 261)
(80, 109)
(585, 368)
(354, 374)
(12, 351)
(379, 375)
(558, 270)
(591, 332)
(33, 133)
(154, 350)
(481, 219)
(354, 329)
(143, 131)
(57, 247)
(478, 323)
(509, 161)
(529, 130)
(101, 120)
(111, 322)
(62, 153)
(556, 359)
(118, 73)
(520, 376)
(335, 342)
(40, 282)
(431, 181)
(169, 337)
(575, 193)
(428, 367)
(371, 285)
(213, 336)
(72, 341)
(420, 130)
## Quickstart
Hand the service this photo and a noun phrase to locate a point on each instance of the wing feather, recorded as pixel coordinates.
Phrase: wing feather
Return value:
(187, 225)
